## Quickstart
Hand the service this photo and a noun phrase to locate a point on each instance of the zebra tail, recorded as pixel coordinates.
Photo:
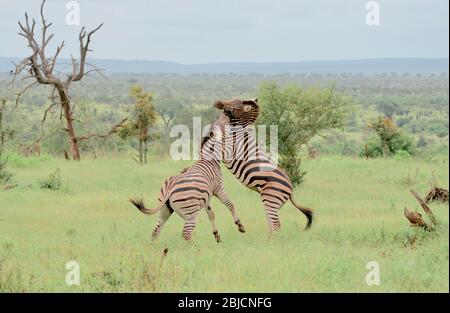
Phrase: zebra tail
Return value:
(307, 211)
(139, 203)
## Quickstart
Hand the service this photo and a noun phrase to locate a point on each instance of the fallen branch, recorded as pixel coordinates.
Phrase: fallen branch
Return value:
(437, 194)
(425, 207)
(415, 218)
(8, 187)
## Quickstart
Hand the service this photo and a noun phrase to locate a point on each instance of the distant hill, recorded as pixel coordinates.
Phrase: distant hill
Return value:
(364, 66)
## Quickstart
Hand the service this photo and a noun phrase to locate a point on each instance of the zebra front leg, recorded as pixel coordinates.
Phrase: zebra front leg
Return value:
(225, 199)
(212, 218)
(164, 215)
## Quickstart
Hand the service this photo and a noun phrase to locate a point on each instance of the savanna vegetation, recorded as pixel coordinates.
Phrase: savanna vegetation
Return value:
(359, 169)
(418, 107)
(82, 214)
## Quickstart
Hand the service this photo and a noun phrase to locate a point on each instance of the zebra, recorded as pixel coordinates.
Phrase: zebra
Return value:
(250, 165)
(191, 190)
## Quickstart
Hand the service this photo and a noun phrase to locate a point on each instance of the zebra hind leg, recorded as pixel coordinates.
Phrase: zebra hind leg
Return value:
(212, 218)
(189, 224)
(272, 205)
(164, 215)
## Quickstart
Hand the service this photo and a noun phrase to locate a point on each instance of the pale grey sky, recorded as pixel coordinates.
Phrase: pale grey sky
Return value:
(205, 31)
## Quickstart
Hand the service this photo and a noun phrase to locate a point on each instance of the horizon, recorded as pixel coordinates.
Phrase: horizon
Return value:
(357, 66)
(250, 62)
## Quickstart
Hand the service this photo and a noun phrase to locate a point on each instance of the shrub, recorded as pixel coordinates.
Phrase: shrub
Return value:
(402, 155)
(389, 140)
(300, 114)
(373, 148)
(52, 182)
(18, 160)
(5, 175)
(403, 143)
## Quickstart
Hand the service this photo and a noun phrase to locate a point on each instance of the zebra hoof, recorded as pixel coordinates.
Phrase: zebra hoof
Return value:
(217, 236)
(241, 227)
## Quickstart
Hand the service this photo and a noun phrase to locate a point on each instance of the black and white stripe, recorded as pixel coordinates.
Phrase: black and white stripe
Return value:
(250, 165)
(191, 190)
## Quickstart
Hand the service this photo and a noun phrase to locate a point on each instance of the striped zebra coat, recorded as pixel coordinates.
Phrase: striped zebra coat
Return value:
(250, 165)
(191, 190)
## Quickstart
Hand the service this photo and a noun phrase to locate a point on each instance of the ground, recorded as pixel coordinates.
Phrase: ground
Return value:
(359, 218)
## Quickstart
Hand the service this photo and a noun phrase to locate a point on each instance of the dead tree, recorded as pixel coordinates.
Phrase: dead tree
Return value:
(40, 68)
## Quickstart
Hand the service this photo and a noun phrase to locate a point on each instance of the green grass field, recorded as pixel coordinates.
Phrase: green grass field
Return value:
(359, 218)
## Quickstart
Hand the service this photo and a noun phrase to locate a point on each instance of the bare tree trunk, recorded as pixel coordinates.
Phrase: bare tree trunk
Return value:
(65, 104)
(141, 154)
(145, 151)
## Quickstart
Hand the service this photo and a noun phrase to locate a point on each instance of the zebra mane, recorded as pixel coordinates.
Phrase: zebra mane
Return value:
(220, 122)
(206, 138)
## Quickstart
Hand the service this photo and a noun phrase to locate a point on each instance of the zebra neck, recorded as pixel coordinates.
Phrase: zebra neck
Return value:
(211, 153)
(240, 144)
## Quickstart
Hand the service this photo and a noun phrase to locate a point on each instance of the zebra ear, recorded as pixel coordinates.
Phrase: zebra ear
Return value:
(219, 105)
(247, 107)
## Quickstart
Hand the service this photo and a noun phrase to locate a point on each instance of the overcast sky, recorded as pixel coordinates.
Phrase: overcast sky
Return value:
(205, 31)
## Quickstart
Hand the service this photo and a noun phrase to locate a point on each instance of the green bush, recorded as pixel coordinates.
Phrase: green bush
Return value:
(402, 155)
(438, 128)
(18, 160)
(52, 182)
(5, 175)
(373, 148)
(402, 146)
(402, 142)
(301, 114)
(389, 140)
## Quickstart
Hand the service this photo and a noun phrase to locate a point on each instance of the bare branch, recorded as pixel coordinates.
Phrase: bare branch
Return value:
(104, 136)
(38, 67)
(97, 69)
(425, 207)
(85, 39)
(44, 118)
(50, 107)
(20, 93)
(58, 50)
(43, 70)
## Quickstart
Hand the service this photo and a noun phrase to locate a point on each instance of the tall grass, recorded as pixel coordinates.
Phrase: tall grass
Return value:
(358, 203)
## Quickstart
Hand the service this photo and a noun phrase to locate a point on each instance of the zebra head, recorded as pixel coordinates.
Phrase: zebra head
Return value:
(240, 112)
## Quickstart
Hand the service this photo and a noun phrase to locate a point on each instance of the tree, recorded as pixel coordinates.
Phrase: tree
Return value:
(41, 70)
(386, 130)
(389, 107)
(300, 114)
(168, 107)
(390, 139)
(143, 117)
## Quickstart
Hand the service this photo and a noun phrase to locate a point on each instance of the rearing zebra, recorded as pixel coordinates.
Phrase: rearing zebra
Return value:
(191, 190)
(250, 164)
